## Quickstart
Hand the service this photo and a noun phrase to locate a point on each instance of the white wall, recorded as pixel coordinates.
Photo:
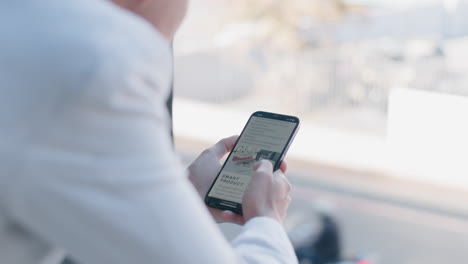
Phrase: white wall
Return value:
(428, 137)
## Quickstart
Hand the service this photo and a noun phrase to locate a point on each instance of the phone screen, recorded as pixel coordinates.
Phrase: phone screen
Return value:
(266, 136)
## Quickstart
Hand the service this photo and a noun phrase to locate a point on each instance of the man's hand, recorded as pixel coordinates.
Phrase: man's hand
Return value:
(203, 171)
(267, 193)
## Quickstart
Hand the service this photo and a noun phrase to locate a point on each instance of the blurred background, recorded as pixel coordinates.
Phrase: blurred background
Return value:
(381, 88)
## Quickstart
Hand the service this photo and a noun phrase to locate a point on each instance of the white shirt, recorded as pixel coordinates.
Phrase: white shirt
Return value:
(86, 163)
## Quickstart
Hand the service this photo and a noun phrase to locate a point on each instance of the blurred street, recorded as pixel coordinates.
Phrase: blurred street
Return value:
(380, 88)
(384, 220)
(384, 228)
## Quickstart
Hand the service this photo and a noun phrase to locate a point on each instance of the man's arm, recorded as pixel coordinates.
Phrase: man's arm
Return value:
(101, 180)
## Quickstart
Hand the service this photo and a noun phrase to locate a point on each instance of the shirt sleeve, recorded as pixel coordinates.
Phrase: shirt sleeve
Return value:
(264, 240)
(100, 179)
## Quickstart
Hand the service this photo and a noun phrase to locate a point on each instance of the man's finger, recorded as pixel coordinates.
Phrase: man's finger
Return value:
(224, 146)
(278, 174)
(263, 166)
(283, 166)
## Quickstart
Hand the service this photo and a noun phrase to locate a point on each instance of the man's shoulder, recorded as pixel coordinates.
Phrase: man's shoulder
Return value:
(90, 40)
(61, 49)
(108, 32)
(64, 34)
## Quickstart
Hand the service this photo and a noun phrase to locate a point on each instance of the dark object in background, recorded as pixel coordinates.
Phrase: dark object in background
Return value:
(326, 247)
(67, 260)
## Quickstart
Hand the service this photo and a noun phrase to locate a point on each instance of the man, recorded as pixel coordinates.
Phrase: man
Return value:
(87, 168)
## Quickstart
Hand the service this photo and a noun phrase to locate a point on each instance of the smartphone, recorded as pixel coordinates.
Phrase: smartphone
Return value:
(265, 136)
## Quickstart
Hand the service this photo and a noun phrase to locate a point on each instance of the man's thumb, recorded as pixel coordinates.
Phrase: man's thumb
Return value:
(263, 166)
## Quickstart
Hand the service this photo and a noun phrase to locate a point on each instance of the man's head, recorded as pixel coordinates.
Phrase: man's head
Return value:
(165, 15)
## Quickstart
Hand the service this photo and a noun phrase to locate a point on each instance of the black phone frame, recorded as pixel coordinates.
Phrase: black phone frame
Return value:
(237, 207)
